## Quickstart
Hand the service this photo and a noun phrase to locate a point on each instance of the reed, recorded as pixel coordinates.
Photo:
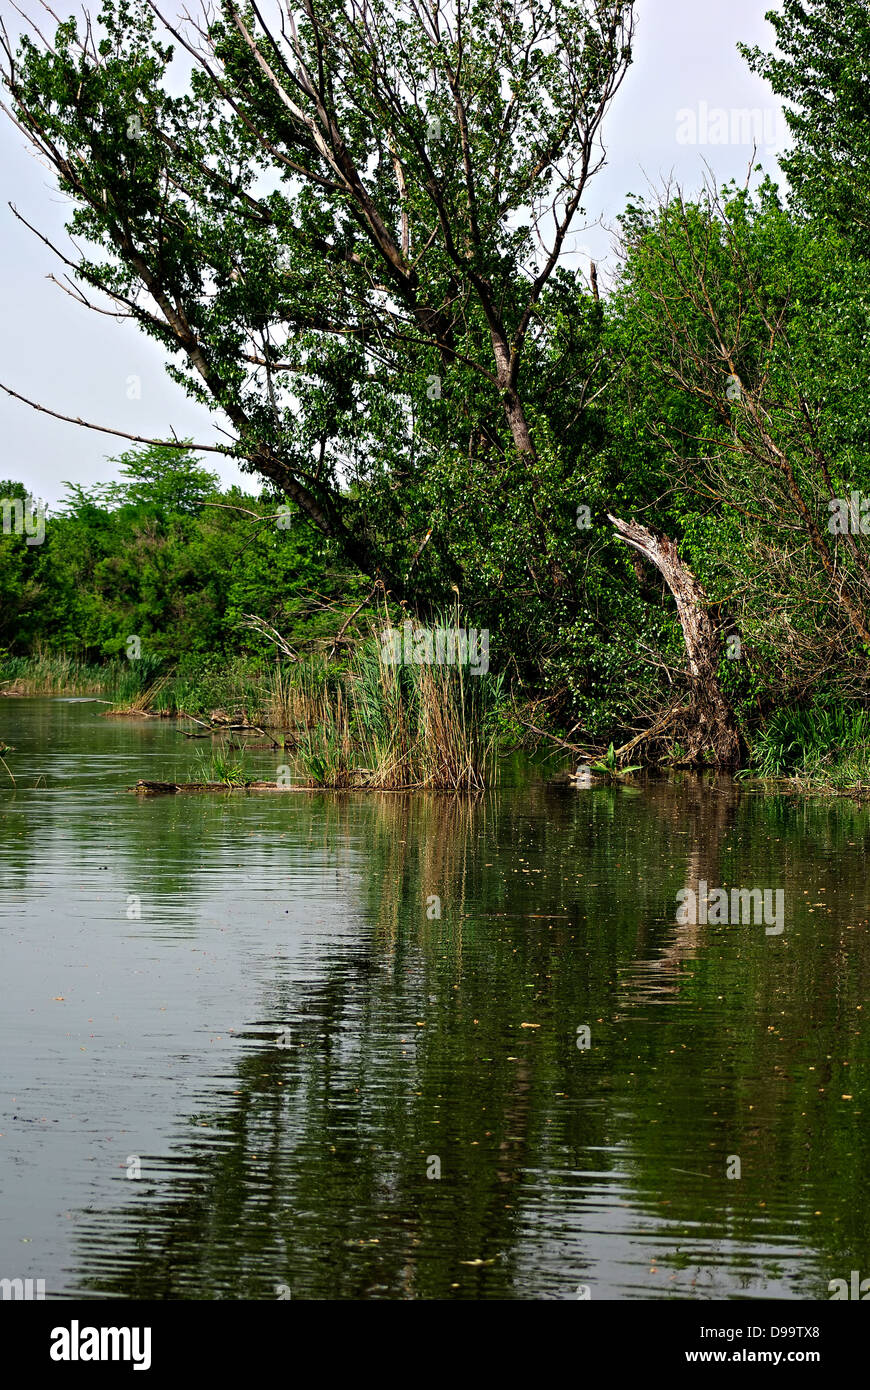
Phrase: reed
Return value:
(825, 741)
(215, 765)
(47, 673)
(393, 726)
(359, 721)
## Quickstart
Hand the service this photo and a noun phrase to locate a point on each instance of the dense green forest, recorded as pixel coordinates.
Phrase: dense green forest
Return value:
(164, 555)
(445, 411)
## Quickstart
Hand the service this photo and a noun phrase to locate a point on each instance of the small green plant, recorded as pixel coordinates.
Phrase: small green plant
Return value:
(324, 754)
(216, 766)
(609, 767)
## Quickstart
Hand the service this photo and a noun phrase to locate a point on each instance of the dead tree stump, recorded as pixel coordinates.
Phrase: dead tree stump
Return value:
(713, 728)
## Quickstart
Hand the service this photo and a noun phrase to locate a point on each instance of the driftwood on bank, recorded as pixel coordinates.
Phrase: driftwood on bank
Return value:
(654, 731)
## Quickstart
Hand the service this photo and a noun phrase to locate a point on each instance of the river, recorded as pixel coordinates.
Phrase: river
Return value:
(243, 1056)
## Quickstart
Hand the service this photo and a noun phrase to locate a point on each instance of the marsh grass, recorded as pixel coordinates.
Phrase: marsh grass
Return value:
(358, 721)
(392, 726)
(215, 765)
(825, 746)
(139, 689)
(48, 674)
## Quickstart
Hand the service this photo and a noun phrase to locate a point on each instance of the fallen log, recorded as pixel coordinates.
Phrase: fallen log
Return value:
(149, 788)
(146, 788)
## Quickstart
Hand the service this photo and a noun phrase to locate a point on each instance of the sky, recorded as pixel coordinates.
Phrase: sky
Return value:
(689, 108)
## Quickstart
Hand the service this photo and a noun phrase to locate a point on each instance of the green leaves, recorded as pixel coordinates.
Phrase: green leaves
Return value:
(167, 556)
(821, 71)
(324, 223)
(609, 766)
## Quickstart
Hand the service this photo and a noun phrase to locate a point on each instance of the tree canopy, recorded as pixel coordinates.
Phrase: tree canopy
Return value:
(350, 230)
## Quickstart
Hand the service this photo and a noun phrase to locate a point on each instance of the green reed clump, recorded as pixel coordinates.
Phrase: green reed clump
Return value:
(390, 726)
(217, 765)
(825, 742)
(46, 673)
(357, 721)
(138, 684)
(326, 757)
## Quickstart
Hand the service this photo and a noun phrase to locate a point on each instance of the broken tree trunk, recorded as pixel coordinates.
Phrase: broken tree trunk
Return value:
(713, 728)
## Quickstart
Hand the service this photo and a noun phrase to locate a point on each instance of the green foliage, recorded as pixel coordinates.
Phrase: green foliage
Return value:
(163, 556)
(803, 742)
(609, 765)
(216, 765)
(373, 317)
(380, 724)
(734, 287)
(347, 323)
(820, 71)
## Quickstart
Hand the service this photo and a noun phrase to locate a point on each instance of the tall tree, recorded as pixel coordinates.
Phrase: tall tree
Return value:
(749, 328)
(344, 231)
(822, 71)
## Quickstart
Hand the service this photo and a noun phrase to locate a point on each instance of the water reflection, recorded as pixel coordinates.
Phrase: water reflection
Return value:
(296, 1045)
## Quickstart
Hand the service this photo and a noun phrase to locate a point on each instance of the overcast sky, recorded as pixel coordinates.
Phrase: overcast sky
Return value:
(668, 121)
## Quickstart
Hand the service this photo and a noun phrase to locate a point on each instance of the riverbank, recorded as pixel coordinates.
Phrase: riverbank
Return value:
(355, 721)
(358, 721)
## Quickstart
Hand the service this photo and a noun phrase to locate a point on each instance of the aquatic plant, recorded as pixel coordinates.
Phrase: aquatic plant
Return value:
(214, 765)
(608, 766)
(810, 742)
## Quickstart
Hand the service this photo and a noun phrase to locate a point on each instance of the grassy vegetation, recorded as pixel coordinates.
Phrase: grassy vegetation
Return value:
(238, 690)
(51, 674)
(388, 726)
(359, 721)
(215, 765)
(825, 746)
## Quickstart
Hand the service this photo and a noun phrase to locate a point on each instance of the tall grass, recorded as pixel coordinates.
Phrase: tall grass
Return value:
(241, 689)
(301, 695)
(44, 673)
(215, 765)
(357, 722)
(825, 743)
(57, 674)
(392, 726)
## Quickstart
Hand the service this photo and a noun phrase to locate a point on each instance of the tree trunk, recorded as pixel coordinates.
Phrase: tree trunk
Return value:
(714, 728)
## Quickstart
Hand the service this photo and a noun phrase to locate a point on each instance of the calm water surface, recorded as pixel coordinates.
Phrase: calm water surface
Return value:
(251, 1001)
